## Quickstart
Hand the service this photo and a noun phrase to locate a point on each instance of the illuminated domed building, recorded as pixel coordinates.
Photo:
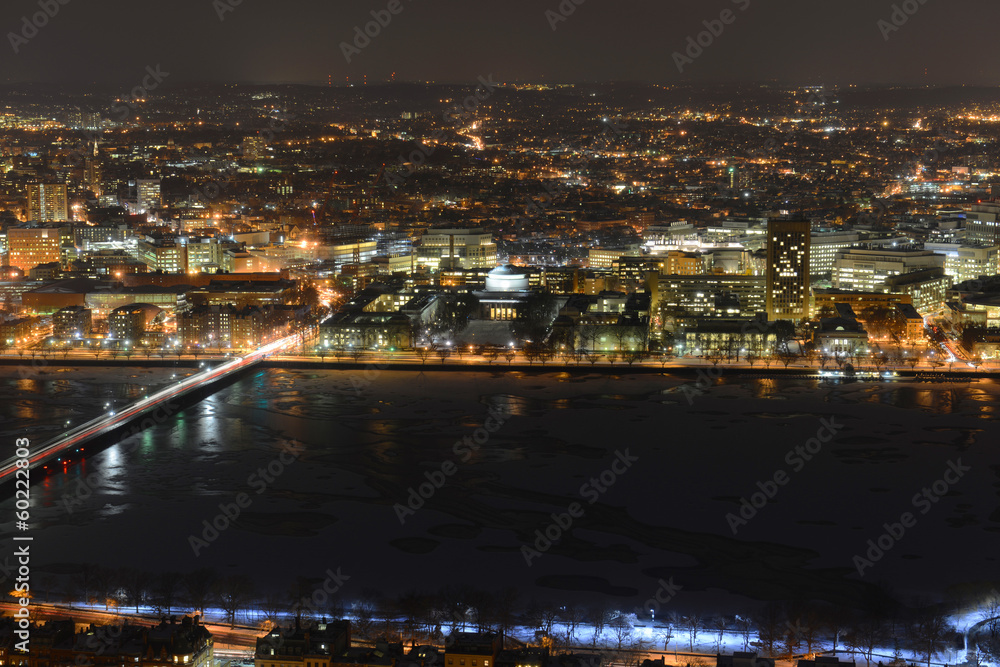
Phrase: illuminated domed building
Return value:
(507, 278)
(505, 295)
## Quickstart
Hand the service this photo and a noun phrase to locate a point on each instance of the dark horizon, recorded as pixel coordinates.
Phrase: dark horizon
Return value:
(301, 42)
(695, 85)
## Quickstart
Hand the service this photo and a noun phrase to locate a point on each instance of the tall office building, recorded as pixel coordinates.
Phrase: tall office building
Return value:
(148, 194)
(92, 175)
(254, 147)
(788, 269)
(47, 202)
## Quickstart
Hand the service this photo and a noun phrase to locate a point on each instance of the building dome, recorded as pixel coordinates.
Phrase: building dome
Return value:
(506, 278)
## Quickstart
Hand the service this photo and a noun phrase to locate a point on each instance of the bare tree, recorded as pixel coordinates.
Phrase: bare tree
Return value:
(879, 361)
(667, 634)
(104, 585)
(505, 608)
(719, 624)
(809, 625)
(792, 638)
(135, 584)
(550, 614)
(83, 581)
(271, 609)
(166, 590)
(599, 620)
(745, 626)
(198, 588)
(989, 612)
(234, 594)
(693, 623)
(633, 356)
(770, 625)
(865, 636)
(572, 616)
(364, 615)
(622, 626)
(929, 634)
(787, 358)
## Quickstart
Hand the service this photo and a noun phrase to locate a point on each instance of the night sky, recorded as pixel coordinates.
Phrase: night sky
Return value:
(793, 41)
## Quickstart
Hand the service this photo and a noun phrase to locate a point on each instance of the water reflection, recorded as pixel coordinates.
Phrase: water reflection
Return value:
(365, 449)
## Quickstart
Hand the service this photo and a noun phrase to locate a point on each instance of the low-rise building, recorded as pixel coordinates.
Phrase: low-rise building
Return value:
(605, 258)
(915, 327)
(128, 324)
(472, 649)
(224, 326)
(825, 300)
(966, 261)
(927, 289)
(367, 331)
(169, 644)
(251, 293)
(742, 659)
(730, 337)
(16, 331)
(825, 661)
(312, 645)
(457, 248)
(867, 269)
(524, 657)
(840, 337)
(72, 322)
(712, 296)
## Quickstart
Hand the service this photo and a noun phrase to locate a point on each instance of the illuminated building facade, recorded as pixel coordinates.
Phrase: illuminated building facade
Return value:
(148, 195)
(712, 295)
(28, 247)
(47, 202)
(457, 249)
(788, 269)
(72, 322)
(166, 255)
(823, 249)
(867, 269)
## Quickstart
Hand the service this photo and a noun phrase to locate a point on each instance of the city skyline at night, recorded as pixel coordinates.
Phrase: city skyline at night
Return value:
(548, 333)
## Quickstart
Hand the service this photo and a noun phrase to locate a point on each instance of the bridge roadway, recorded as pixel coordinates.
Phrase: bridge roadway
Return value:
(104, 424)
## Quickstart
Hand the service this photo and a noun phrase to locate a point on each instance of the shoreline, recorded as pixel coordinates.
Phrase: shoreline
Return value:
(604, 368)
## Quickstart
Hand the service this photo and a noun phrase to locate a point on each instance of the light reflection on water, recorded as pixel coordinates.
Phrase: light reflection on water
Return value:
(208, 449)
(978, 399)
(227, 421)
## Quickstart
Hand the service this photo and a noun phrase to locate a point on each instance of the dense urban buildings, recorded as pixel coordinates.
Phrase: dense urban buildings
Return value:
(713, 239)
